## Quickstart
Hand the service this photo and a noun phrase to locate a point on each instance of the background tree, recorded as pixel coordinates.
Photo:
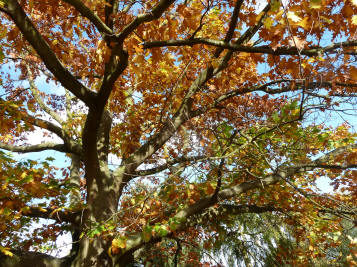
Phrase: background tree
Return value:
(213, 108)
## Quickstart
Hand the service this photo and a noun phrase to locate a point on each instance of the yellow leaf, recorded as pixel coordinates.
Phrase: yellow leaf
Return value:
(354, 2)
(6, 251)
(23, 175)
(4, 186)
(315, 4)
(354, 19)
(31, 4)
(55, 210)
(268, 22)
(293, 17)
(259, 16)
(304, 23)
(119, 242)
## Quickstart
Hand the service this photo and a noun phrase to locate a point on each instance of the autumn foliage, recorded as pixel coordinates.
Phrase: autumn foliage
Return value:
(187, 126)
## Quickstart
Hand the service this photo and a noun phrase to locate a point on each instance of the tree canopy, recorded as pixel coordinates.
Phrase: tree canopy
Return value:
(221, 116)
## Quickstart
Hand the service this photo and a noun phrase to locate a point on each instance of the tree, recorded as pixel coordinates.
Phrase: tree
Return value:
(213, 108)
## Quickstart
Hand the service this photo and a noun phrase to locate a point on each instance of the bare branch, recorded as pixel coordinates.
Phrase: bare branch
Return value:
(294, 85)
(38, 99)
(313, 51)
(168, 164)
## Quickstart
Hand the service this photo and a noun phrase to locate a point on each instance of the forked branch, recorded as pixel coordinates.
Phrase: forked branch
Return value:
(32, 35)
(89, 14)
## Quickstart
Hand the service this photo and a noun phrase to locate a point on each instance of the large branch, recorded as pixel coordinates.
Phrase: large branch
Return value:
(180, 219)
(294, 84)
(111, 7)
(89, 14)
(27, 118)
(36, 148)
(69, 145)
(49, 213)
(115, 67)
(17, 14)
(72, 146)
(313, 51)
(112, 71)
(324, 162)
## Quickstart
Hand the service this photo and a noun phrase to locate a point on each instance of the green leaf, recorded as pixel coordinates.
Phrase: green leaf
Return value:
(161, 230)
(27, 179)
(275, 117)
(275, 5)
